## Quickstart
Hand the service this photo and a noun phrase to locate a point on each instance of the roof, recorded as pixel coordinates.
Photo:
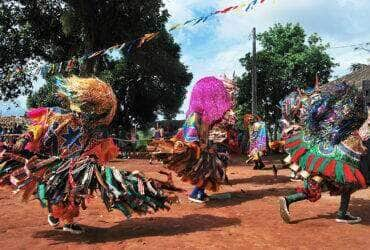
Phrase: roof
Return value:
(356, 77)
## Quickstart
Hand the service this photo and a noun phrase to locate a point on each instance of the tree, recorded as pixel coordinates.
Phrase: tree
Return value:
(45, 96)
(148, 81)
(287, 60)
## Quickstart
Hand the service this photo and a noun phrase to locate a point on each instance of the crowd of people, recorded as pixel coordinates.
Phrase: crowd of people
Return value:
(12, 125)
(10, 128)
(134, 143)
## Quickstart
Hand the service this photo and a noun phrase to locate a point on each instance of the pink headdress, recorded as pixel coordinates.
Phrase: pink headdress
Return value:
(210, 99)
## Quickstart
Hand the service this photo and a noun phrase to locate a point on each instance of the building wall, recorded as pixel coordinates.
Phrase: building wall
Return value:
(366, 89)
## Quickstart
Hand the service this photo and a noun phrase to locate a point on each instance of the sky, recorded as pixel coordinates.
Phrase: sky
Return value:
(215, 47)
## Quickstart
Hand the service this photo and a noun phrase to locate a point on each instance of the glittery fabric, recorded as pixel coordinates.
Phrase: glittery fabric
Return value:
(210, 99)
(258, 137)
(328, 144)
(329, 117)
(338, 111)
(190, 131)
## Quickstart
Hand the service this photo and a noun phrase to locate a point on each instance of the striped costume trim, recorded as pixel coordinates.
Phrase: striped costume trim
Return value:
(340, 172)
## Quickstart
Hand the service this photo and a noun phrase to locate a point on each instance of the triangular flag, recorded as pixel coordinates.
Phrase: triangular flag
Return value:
(146, 38)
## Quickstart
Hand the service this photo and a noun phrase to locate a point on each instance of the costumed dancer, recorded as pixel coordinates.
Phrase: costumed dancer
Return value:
(63, 155)
(257, 139)
(190, 153)
(325, 147)
(293, 109)
(365, 159)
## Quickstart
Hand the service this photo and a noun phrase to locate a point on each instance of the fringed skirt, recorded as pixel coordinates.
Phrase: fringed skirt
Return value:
(64, 185)
(336, 166)
(204, 168)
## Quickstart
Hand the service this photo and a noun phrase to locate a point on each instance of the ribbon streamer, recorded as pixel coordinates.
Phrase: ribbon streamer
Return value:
(139, 42)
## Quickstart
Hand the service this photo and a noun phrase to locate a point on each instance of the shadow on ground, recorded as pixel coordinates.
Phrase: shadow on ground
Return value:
(141, 227)
(239, 197)
(261, 180)
(358, 207)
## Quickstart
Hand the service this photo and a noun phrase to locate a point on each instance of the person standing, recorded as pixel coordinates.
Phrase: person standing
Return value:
(133, 141)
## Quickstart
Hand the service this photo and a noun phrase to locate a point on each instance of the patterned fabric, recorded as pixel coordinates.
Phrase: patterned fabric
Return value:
(67, 163)
(334, 163)
(311, 189)
(257, 137)
(63, 154)
(190, 130)
(322, 135)
(202, 165)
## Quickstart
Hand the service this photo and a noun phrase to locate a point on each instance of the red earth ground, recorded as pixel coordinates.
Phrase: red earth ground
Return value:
(244, 216)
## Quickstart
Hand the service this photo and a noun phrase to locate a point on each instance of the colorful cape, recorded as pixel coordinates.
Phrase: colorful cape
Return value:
(327, 144)
(257, 137)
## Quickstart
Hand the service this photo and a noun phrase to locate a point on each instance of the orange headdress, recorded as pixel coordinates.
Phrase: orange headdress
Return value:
(89, 96)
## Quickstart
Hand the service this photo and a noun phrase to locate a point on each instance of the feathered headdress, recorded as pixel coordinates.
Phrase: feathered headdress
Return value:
(89, 96)
(211, 99)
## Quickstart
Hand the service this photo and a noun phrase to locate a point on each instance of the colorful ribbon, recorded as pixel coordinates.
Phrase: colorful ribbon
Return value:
(195, 21)
(138, 43)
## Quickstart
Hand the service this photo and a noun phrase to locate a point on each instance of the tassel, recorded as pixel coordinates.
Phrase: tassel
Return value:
(31, 188)
(14, 180)
(294, 167)
(150, 188)
(41, 193)
(100, 179)
(304, 174)
(288, 159)
(140, 185)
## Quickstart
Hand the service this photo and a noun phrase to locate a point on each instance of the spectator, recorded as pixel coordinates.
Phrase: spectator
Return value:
(158, 133)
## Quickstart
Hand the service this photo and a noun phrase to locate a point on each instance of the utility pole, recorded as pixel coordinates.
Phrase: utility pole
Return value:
(254, 74)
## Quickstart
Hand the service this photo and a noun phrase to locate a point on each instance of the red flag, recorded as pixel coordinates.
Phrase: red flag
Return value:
(226, 10)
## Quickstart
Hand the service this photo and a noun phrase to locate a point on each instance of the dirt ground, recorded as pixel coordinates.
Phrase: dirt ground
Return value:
(243, 215)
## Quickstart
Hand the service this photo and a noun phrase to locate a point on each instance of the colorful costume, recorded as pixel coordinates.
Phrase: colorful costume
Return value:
(324, 145)
(190, 154)
(257, 139)
(62, 157)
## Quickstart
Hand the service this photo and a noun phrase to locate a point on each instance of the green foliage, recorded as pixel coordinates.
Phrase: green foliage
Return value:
(46, 96)
(150, 81)
(287, 60)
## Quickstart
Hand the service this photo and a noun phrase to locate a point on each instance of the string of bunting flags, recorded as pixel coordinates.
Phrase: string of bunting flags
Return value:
(72, 64)
(247, 6)
(69, 66)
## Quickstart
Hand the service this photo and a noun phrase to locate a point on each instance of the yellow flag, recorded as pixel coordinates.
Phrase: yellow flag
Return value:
(146, 38)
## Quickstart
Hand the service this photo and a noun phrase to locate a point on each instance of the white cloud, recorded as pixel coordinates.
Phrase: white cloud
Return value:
(339, 22)
(214, 47)
(19, 106)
